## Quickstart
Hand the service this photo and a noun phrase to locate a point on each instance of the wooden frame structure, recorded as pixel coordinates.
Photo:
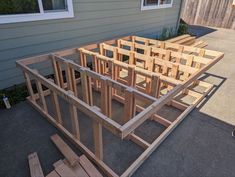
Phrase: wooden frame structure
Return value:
(142, 74)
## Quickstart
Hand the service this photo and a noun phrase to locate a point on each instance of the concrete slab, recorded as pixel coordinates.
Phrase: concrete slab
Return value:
(222, 74)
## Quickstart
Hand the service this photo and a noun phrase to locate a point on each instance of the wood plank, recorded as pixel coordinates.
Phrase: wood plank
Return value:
(29, 86)
(77, 169)
(64, 171)
(68, 153)
(41, 95)
(74, 118)
(53, 174)
(98, 139)
(217, 13)
(136, 139)
(35, 166)
(89, 167)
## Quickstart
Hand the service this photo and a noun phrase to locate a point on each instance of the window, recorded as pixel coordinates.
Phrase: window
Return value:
(12, 11)
(155, 4)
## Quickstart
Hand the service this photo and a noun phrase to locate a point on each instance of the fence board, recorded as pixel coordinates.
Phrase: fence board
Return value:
(217, 13)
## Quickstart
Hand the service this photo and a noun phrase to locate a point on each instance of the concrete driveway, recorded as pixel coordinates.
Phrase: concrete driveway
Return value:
(222, 104)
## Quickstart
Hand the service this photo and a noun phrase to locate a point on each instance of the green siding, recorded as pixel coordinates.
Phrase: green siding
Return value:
(94, 20)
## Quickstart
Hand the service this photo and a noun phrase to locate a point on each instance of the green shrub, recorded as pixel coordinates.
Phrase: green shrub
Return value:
(15, 95)
(183, 29)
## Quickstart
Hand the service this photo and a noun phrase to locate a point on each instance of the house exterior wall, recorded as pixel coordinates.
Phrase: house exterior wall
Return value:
(94, 20)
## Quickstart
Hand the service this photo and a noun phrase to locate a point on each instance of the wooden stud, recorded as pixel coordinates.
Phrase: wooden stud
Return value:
(129, 105)
(106, 98)
(131, 78)
(180, 50)
(74, 118)
(86, 87)
(41, 95)
(61, 79)
(155, 86)
(54, 64)
(201, 54)
(57, 107)
(29, 86)
(96, 69)
(98, 140)
(132, 58)
(68, 76)
(189, 62)
(74, 83)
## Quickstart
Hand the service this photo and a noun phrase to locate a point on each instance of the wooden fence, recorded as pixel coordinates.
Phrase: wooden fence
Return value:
(217, 13)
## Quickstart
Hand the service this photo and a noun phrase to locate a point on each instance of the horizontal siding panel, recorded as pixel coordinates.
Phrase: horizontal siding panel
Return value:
(40, 39)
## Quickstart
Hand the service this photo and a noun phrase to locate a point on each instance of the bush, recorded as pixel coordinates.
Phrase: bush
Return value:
(15, 95)
(183, 29)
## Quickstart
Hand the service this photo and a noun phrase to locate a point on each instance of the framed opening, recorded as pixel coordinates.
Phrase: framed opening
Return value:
(155, 4)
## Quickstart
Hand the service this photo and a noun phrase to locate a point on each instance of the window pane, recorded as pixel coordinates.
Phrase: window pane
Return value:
(165, 1)
(151, 2)
(8, 7)
(49, 5)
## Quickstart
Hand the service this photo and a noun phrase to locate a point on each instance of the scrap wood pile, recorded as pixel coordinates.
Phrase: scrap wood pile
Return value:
(143, 75)
(188, 40)
(71, 166)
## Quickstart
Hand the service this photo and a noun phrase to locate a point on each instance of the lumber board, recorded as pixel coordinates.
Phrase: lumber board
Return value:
(64, 171)
(142, 143)
(35, 166)
(77, 169)
(89, 167)
(53, 174)
(68, 153)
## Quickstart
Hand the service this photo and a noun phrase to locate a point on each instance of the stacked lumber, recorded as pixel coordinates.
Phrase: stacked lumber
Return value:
(188, 40)
(71, 166)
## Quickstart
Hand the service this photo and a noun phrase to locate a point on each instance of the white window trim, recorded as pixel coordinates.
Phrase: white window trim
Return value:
(158, 6)
(4, 19)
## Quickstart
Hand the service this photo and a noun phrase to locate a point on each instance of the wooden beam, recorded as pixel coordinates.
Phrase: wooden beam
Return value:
(139, 141)
(129, 105)
(74, 118)
(106, 98)
(35, 166)
(67, 152)
(29, 86)
(89, 167)
(41, 95)
(98, 140)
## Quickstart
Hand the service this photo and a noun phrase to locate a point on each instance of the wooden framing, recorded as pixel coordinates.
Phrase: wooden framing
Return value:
(149, 66)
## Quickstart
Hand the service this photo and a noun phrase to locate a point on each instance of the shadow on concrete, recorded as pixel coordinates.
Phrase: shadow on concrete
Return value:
(218, 82)
(200, 31)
